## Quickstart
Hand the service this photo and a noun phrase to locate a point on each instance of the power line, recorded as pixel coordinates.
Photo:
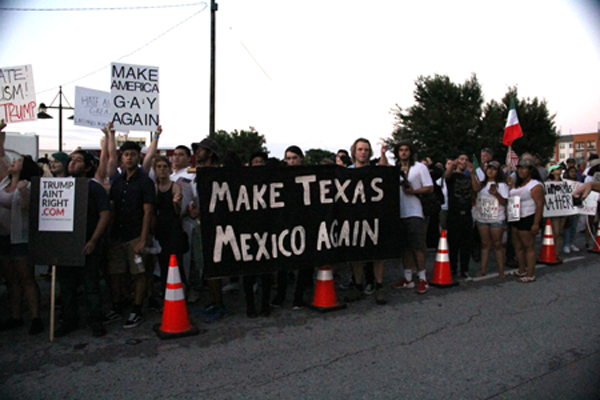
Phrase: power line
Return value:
(101, 8)
(131, 53)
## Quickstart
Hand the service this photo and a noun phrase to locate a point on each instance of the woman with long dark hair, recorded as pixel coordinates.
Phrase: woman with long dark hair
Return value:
(14, 238)
(490, 218)
(528, 192)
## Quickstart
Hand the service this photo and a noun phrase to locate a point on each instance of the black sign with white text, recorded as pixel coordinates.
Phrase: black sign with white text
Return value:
(262, 219)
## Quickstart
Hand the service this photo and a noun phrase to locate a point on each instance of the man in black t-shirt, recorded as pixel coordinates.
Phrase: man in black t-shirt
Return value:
(80, 166)
(133, 195)
(459, 176)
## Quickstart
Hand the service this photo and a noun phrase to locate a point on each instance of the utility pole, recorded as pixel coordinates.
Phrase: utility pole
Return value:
(213, 14)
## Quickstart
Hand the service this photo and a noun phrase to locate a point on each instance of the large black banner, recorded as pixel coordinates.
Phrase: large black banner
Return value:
(262, 219)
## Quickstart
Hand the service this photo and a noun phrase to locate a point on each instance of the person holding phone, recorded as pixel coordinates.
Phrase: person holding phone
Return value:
(490, 215)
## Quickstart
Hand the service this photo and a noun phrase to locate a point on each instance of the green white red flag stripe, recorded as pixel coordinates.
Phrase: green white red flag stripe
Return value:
(512, 130)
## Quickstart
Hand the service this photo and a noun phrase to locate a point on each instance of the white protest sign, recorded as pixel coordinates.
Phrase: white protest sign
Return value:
(134, 97)
(57, 204)
(590, 204)
(513, 209)
(92, 107)
(488, 208)
(17, 94)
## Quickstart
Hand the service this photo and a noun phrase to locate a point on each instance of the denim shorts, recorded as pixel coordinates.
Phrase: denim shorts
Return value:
(498, 224)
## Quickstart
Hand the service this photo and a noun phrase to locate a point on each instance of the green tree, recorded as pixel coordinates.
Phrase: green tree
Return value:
(315, 156)
(539, 130)
(444, 120)
(244, 143)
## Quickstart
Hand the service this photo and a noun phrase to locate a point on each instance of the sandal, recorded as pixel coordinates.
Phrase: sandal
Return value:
(526, 279)
(517, 273)
(482, 273)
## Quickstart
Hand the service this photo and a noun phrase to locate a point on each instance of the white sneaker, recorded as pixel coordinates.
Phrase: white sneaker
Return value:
(574, 248)
(231, 287)
(567, 250)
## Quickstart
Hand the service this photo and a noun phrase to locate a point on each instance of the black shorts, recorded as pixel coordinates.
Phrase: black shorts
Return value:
(524, 224)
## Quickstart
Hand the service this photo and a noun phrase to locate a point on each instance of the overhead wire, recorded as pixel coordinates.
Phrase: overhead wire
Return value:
(130, 53)
(98, 8)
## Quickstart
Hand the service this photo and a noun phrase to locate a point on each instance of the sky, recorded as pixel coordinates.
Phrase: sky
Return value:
(313, 74)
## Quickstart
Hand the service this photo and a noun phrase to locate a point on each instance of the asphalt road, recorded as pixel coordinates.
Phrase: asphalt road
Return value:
(486, 339)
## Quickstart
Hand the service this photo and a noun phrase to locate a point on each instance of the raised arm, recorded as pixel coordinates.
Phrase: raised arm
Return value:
(101, 172)
(3, 163)
(147, 164)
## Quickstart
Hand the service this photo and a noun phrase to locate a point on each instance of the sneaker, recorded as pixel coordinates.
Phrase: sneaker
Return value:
(567, 250)
(423, 286)
(574, 248)
(231, 287)
(403, 284)
(588, 246)
(209, 309)
(297, 305)
(133, 320)
(111, 316)
(193, 296)
(355, 295)
(265, 312)
(369, 289)
(346, 285)
(217, 314)
(36, 326)
(251, 313)
(466, 276)
(381, 297)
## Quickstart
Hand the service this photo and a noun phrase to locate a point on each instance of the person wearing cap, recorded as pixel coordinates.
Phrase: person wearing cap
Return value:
(98, 215)
(490, 215)
(460, 178)
(133, 195)
(555, 173)
(207, 155)
(528, 193)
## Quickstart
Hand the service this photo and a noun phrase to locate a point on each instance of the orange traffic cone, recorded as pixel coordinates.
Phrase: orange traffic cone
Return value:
(596, 248)
(442, 277)
(325, 299)
(548, 254)
(175, 321)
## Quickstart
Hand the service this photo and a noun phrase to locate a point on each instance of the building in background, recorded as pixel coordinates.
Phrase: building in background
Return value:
(578, 146)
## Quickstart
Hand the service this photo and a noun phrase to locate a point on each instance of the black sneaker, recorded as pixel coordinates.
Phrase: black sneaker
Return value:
(134, 320)
(111, 316)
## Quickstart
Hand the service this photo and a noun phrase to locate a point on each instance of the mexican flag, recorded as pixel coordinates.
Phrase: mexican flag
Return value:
(512, 130)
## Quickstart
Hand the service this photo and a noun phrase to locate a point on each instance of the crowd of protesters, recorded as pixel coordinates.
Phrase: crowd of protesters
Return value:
(142, 209)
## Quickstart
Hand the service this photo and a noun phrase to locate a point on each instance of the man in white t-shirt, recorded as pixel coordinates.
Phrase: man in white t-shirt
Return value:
(417, 181)
(181, 163)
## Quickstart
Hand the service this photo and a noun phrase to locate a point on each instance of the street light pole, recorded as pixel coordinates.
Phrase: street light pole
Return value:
(43, 115)
(213, 22)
